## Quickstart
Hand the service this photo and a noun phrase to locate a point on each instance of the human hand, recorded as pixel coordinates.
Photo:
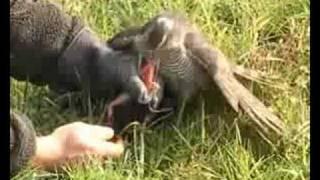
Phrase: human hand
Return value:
(73, 142)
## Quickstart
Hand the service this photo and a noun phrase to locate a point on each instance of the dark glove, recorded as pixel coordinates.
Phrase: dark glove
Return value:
(22, 142)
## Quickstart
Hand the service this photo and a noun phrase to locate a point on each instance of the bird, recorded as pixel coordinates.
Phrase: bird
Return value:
(189, 65)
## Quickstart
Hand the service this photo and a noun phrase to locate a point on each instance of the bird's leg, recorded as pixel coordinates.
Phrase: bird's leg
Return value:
(121, 99)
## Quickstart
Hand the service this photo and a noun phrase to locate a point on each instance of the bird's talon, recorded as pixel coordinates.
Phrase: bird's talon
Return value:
(144, 98)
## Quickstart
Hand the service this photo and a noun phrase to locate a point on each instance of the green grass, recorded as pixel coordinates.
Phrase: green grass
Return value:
(269, 35)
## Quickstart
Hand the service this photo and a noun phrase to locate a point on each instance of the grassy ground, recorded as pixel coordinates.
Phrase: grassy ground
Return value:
(268, 35)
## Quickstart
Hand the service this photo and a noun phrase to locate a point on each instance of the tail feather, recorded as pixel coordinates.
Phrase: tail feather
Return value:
(228, 91)
(235, 92)
(222, 73)
(248, 73)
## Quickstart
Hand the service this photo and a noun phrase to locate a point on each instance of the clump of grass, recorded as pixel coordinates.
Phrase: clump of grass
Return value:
(268, 35)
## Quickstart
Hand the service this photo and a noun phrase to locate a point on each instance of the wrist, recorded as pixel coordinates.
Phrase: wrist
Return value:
(48, 152)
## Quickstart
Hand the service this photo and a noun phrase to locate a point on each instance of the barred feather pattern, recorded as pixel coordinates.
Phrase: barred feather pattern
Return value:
(183, 75)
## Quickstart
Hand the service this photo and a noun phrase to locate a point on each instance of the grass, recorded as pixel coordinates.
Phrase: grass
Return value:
(269, 35)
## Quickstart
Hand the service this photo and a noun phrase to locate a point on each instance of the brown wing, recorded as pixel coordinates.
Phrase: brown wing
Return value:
(235, 93)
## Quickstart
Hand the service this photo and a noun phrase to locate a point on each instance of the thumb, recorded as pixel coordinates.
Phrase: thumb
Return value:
(101, 132)
(107, 148)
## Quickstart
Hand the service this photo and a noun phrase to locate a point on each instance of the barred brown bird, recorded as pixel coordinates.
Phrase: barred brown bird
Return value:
(189, 64)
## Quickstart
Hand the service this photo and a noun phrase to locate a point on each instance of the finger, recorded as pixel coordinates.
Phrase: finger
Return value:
(101, 132)
(106, 148)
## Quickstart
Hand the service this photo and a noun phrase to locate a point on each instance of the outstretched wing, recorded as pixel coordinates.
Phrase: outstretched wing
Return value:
(219, 70)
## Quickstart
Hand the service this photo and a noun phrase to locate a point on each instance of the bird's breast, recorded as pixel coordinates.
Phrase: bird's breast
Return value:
(180, 71)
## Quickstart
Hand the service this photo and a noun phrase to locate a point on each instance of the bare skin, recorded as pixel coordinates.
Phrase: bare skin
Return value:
(74, 142)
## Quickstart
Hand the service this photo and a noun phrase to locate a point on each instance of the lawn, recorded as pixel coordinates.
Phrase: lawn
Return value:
(269, 35)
